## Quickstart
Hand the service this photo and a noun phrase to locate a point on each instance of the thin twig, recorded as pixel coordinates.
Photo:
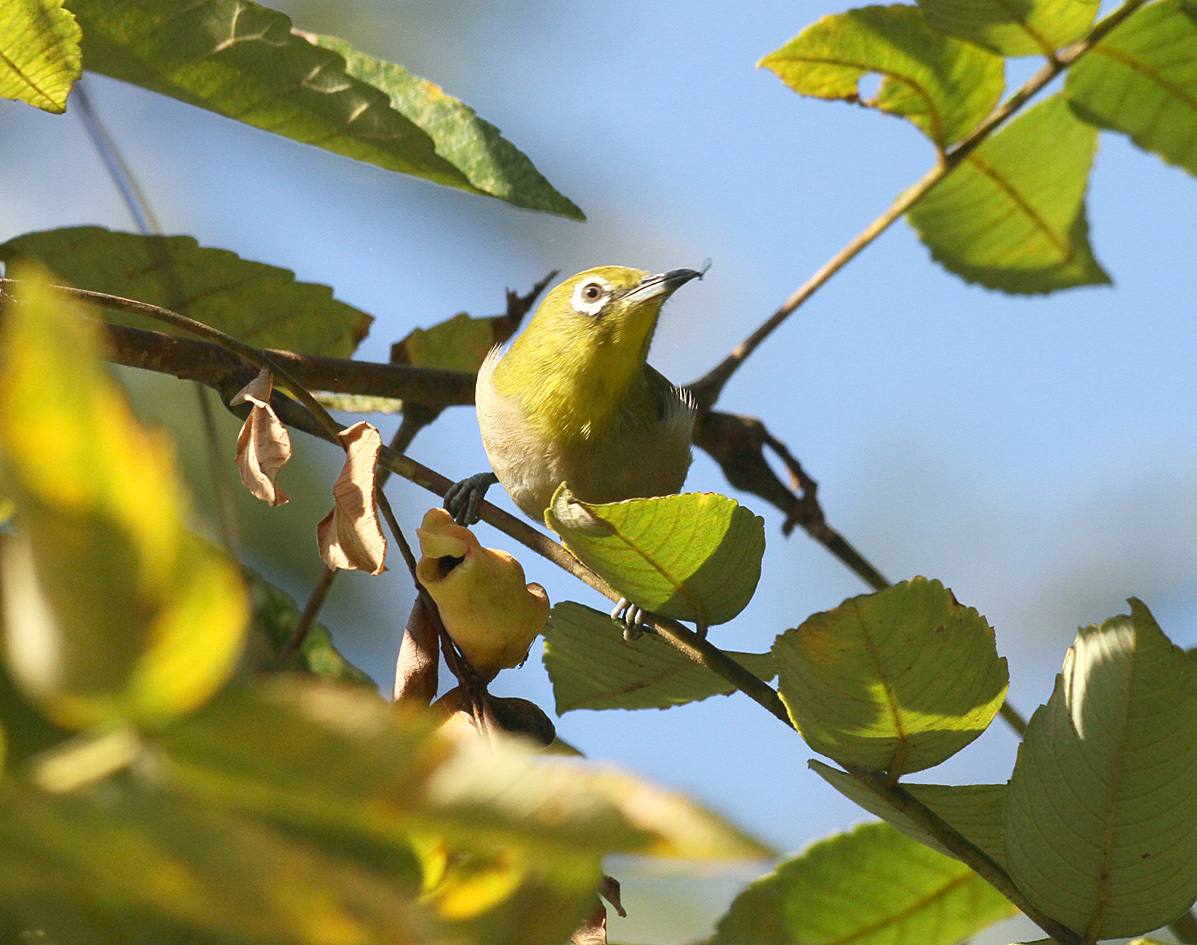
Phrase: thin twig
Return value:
(226, 502)
(708, 388)
(981, 863)
(114, 162)
(146, 221)
(1013, 718)
(307, 617)
(255, 356)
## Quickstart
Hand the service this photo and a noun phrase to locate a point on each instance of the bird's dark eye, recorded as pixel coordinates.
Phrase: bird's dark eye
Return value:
(592, 292)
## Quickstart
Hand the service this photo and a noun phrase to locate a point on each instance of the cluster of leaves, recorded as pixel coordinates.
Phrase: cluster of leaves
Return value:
(147, 797)
(1092, 835)
(1009, 212)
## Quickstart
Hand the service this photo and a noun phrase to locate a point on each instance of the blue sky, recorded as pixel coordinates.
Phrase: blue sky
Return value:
(1036, 454)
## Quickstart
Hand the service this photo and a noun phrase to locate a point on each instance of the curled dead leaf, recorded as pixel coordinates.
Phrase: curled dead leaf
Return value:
(419, 657)
(263, 445)
(350, 536)
(486, 607)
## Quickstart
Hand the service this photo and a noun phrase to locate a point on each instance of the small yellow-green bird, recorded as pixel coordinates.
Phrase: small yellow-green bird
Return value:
(575, 400)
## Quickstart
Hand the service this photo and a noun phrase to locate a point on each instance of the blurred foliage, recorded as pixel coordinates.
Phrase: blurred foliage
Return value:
(152, 793)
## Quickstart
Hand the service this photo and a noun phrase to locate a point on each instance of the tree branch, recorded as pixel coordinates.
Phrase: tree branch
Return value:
(708, 388)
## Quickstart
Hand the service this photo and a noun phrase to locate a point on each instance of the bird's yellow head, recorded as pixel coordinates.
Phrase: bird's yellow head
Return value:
(589, 339)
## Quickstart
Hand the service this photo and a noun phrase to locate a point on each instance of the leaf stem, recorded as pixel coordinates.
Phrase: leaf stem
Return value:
(144, 218)
(901, 800)
(1013, 718)
(708, 388)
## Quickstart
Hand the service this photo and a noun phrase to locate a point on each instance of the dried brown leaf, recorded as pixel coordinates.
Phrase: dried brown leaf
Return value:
(264, 445)
(419, 657)
(350, 536)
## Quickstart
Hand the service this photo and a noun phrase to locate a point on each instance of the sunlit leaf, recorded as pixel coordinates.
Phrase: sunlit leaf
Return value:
(593, 667)
(1012, 27)
(260, 304)
(39, 53)
(474, 146)
(1011, 215)
(975, 811)
(896, 681)
(695, 556)
(1101, 815)
(112, 609)
(870, 886)
(1141, 80)
(240, 59)
(944, 86)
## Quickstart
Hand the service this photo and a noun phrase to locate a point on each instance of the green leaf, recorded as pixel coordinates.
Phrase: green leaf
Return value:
(259, 304)
(895, 681)
(974, 810)
(1141, 80)
(944, 86)
(870, 886)
(276, 613)
(39, 53)
(242, 60)
(460, 343)
(474, 146)
(593, 667)
(112, 610)
(334, 759)
(1013, 27)
(695, 556)
(1101, 816)
(1011, 215)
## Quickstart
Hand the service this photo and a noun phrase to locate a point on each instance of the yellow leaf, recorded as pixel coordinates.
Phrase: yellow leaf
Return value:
(350, 536)
(113, 610)
(264, 445)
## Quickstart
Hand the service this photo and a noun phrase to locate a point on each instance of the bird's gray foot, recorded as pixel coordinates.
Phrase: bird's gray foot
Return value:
(463, 497)
(632, 617)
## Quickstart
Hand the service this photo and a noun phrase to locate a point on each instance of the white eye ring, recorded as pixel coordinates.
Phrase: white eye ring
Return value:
(591, 295)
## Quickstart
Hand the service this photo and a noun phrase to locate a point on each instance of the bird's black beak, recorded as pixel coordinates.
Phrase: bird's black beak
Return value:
(664, 284)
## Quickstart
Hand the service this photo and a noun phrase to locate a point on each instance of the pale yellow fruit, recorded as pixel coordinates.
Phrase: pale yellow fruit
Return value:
(490, 612)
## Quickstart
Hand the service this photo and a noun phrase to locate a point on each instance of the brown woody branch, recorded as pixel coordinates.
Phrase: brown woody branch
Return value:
(207, 362)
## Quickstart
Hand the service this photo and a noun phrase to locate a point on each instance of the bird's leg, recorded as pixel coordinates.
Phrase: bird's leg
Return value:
(463, 497)
(632, 617)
